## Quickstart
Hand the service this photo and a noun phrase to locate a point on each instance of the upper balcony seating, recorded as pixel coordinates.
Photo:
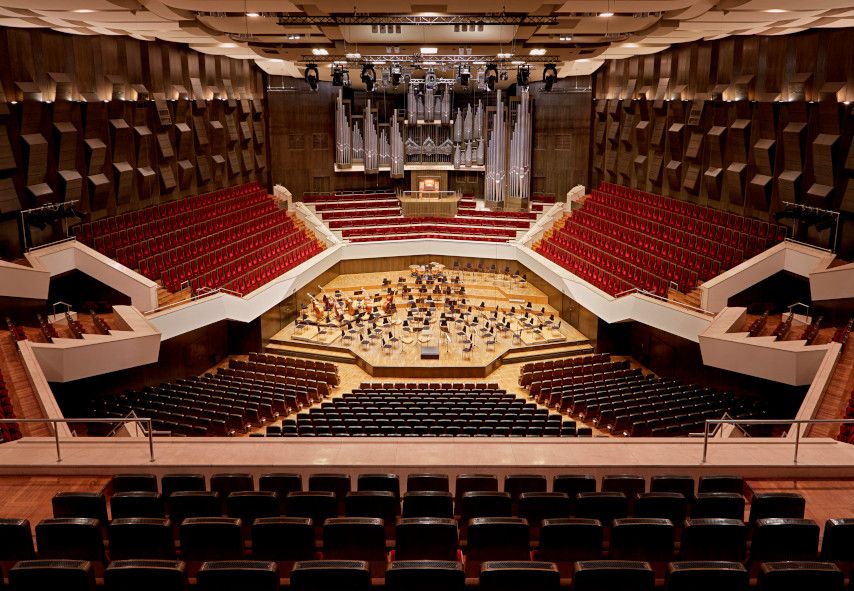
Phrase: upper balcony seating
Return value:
(8, 431)
(637, 239)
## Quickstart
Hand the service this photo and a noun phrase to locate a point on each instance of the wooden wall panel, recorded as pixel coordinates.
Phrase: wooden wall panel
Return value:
(113, 155)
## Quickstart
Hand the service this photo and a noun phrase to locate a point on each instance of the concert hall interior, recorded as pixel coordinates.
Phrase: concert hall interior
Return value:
(347, 286)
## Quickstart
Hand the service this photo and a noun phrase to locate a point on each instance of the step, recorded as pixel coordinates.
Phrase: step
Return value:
(307, 351)
(547, 352)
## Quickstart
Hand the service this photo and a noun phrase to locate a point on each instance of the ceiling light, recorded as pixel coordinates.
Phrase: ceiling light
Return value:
(583, 60)
(549, 76)
(465, 74)
(252, 14)
(504, 56)
(294, 36)
(227, 45)
(429, 50)
(630, 45)
(319, 51)
(83, 10)
(479, 63)
(311, 76)
(606, 14)
(354, 56)
(430, 63)
(277, 60)
(566, 37)
(379, 63)
(517, 62)
(538, 51)
(490, 76)
(776, 10)
(369, 77)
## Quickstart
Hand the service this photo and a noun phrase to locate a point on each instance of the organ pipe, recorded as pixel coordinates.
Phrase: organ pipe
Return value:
(343, 139)
(371, 141)
(496, 162)
(396, 150)
(520, 151)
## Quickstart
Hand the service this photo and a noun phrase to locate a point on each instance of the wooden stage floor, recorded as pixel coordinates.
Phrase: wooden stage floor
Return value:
(403, 358)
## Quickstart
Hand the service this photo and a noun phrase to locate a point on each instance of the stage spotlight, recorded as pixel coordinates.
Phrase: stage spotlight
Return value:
(312, 76)
(369, 77)
(338, 76)
(465, 74)
(549, 76)
(490, 76)
(522, 75)
(430, 79)
(395, 74)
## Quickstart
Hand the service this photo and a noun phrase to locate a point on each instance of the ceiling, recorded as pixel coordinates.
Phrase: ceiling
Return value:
(576, 35)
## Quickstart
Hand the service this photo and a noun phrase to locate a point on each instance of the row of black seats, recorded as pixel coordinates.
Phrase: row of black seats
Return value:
(351, 575)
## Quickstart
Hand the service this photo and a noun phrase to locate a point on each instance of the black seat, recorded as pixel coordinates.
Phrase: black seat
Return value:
(664, 505)
(210, 538)
(496, 539)
(317, 505)
(225, 484)
(186, 504)
(604, 506)
(776, 504)
(515, 575)
(80, 504)
(133, 483)
(144, 575)
(250, 505)
(516, 484)
(68, 575)
(630, 485)
(536, 506)
(721, 483)
(673, 483)
(379, 482)
(714, 539)
(597, 575)
(285, 540)
(427, 482)
(16, 543)
(228, 575)
(338, 484)
(485, 504)
(707, 576)
(137, 504)
(72, 538)
(568, 540)
(356, 538)
(141, 538)
(474, 483)
(797, 576)
(172, 483)
(426, 538)
(644, 539)
(425, 575)
(572, 484)
(331, 575)
(784, 539)
(372, 503)
(280, 483)
(837, 545)
(428, 504)
(725, 505)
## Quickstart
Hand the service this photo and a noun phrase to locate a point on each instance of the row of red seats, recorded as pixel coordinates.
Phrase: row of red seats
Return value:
(8, 431)
(846, 432)
(444, 221)
(485, 213)
(348, 197)
(661, 204)
(195, 238)
(434, 236)
(361, 213)
(653, 238)
(15, 330)
(251, 234)
(702, 230)
(843, 332)
(177, 272)
(250, 272)
(607, 282)
(207, 204)
(420, 228)
(349, 205)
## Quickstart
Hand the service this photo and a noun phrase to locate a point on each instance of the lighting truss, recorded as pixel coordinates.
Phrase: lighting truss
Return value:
(296, 20)
(438, 60)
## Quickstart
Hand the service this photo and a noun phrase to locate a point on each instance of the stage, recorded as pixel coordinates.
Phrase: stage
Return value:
(504, 320)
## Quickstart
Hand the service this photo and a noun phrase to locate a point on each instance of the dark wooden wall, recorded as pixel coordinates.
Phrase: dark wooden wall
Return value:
(740, 124)
(121, 124)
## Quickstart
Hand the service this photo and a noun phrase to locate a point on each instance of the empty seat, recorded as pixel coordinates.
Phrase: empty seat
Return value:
(133, 483)
(225, 484)
(474, 482)
(172, 483)
(426, 538)
(837, 544)
(784, 539)
(80, 504)
(72, 538)
(250, 505)
(665, 505)
(280, 483)
(428, 504)
(137, 504)
(797, 576)
(68, 575)
(144, 575)
(254, 575)
(427, 482)
(568, 540)
(372, 503)
(725, 505)
(186, 504)
(338, 484)
(714, 539)
(355, 538)
(496, 538)
(597, 575)
(683, 485)
(141, 538)
(210, 538)
(572, 484)
(16, 542)
(630, 485)
(317, 505)
(778, 504)
(604, 506)
(516, 484)
(707, 576)
(721, 483)
(331, 575)
(284, 540)
(485, 504)
(515, 575)
(379, 482)
(536, 506)
(425, 575)
(642, 538)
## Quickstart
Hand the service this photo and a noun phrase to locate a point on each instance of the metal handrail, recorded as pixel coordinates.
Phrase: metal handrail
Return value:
(202, 292)
(796, 422)
(149, 422)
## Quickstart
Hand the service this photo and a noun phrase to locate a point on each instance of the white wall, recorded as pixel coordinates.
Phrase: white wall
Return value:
(19, 281)
(833, 284)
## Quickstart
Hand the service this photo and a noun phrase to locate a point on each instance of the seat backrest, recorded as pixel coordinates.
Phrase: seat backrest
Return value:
(143, 575)
(185, 504)
(630, 485)
(474, 482)
(673, 483)
(141, 537)
(211, 538)
(428, 504)
(16, 540)
(513, 575)
(426, 538)
(485, 504)
(784, 539)
(789, 575)
(516, 484)
(318, 505)
(372, 503)
(250, 505)
(721, 483)
(312, 575)
(73, 538)
(280, 483)
(596, 575)
(238, 574)
(642, 538)
(224, 484)
(379, 482)
(572, 484)
(339, 484)
(837, 544)
(777, 504)
(665, 505)
(727, 505)
(80, 504)
(283, 539)
(133, 483)
(68, 575)
(427, 482)
(354, 538)
(714, 539)
(137, 504)
(171, 483)
(498, 538)
(707, 576)
(536, 506)
(425, 575)
(604, 506)
(569, 539)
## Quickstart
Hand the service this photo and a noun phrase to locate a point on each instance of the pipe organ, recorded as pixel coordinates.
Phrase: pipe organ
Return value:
(520, 151)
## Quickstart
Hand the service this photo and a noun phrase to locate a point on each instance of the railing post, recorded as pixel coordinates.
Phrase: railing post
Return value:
(797, 440)
(151, 439)
(56, 439)
(705, 440)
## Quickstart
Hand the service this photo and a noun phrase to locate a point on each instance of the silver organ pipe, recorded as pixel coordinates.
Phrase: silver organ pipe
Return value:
(358, 146)
(429, 105)
(520, 150)
(496, 162)
(467, 124)
(411, 105)
(396, 150)
(371, 141)
(446, 107)
(343, 139)
(477, 130)
(458, 126)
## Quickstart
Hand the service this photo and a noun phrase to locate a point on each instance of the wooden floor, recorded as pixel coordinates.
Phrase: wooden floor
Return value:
(166, 297)
(835, 399)
(29, 497)
(825, 499)
(24, 400)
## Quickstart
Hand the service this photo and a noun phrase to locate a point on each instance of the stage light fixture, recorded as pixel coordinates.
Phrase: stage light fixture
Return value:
(338, 76)
(549, 76)
(490, 76)
(464, 74)
(522, 76)
(311, 75)
(369, 77)
(395, 74)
